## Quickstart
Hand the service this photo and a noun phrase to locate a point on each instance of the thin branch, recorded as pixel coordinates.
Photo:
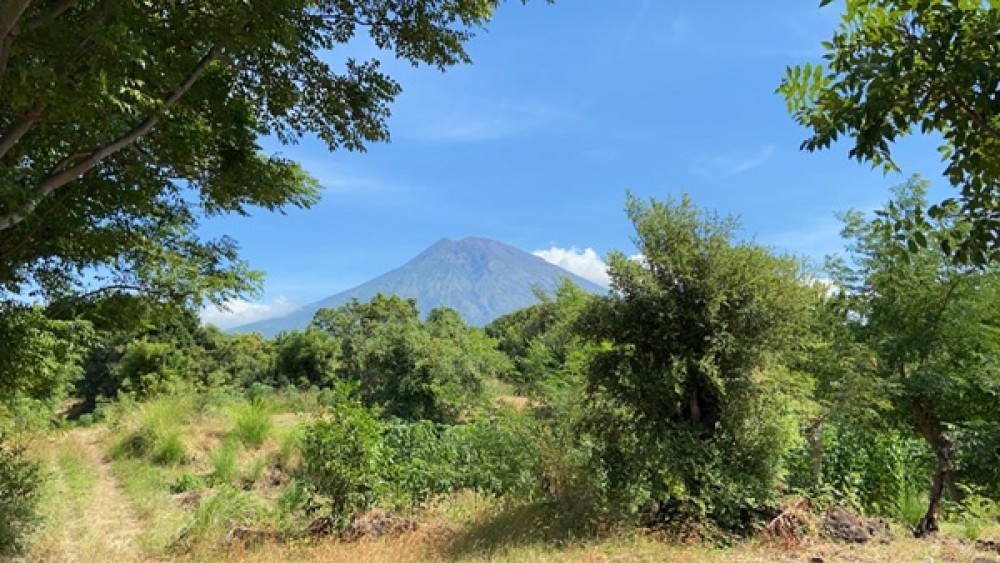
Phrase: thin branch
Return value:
(20, 126)
(59, 178)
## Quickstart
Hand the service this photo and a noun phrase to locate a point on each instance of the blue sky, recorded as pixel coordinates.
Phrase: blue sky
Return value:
(564, 108)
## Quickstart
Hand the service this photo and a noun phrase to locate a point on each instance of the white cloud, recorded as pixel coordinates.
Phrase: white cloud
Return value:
(236, 312)
(733, 163)
(584, 263)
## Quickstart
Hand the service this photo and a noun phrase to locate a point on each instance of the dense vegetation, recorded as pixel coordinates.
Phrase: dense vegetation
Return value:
(716, 380)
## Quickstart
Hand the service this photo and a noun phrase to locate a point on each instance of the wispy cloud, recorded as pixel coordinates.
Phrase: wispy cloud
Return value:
(343, 179)
(236, 312)
(815, 239)
(585, 263)
(733, 163)
(499, 121)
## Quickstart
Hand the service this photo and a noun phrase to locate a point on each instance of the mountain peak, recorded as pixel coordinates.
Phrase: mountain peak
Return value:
(481, 278)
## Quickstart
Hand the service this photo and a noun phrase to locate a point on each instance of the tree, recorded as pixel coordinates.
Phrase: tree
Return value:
(930, 329)
(40, 360)
(692, 402)
(414, 370)
(121, 126)
(894, 67)
(541, 339)
(305, 358)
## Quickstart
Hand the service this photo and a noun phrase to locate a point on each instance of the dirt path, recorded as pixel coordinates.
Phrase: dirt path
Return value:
(90, 517)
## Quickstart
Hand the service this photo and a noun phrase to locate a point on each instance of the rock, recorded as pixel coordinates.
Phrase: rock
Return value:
(816, 560)
(322, 526)
(377, 524)
(843, 525)
(989, 545)
(250, 536)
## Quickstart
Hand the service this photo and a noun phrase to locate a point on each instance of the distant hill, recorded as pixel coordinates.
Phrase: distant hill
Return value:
(480, 278)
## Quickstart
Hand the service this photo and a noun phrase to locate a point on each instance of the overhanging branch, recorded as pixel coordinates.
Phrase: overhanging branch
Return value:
(60, 176)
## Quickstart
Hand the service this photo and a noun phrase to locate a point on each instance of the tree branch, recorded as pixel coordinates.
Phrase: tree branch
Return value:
(59, 10)
(950, 94)
(58, 178)
(10, 15)
(20, 126)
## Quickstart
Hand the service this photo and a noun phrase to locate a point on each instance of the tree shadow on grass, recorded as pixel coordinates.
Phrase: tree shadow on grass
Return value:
(539, 523)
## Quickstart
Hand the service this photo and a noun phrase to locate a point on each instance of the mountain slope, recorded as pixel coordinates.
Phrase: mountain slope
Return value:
(481, 278)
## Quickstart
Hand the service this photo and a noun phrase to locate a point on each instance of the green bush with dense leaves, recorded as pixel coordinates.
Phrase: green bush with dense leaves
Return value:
(691, 406)
(879, 471)
(342, 457)
(20, 491)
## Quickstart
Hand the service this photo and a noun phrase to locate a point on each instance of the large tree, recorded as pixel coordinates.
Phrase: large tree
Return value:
(898, 66)
(122, 123)
(928, 329)
(690, 386)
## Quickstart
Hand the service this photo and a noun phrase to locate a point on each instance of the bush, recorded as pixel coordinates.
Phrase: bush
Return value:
(186, 482)
(424, 461)
(343, 456)
(499, 453)
(878, 471)
(657, 473)
(20, 490)
(496, 454)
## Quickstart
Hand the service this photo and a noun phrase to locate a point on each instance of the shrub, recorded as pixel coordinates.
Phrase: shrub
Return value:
(499, 453)
(252, 423)
(343, 456)
(186, 482)
(20, 490)
(879, 471)
(495, 454)
(423, 462)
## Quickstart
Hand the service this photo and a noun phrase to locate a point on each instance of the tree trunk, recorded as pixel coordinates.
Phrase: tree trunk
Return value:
(814, 435)
(927, 424)
(945, 454)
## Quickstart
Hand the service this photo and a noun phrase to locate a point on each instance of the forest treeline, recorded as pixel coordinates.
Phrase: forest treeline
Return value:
(715, 378)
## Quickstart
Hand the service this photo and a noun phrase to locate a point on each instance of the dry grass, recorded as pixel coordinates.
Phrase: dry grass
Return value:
(87, 516)
(432, 545)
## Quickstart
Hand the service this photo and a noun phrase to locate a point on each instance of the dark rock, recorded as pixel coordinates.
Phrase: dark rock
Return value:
(989, 545)
(376, 525)
(250, 536)
(843, 525)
